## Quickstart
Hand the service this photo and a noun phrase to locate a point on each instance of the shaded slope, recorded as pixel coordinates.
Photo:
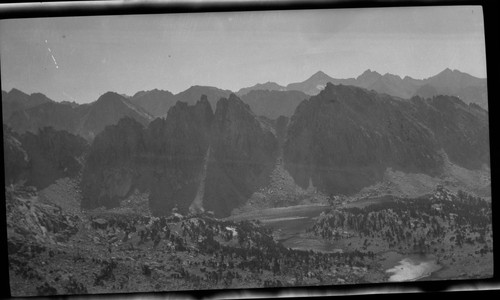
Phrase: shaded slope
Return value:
(155, 102)
(268, 86)
(108, 110)
(242, 156)
(15, 100)
(345, 138)
(272, 104)
(169, 160)
(163, 159)
(42, 158)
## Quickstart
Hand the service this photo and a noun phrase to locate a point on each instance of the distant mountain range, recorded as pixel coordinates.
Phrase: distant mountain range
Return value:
(23, 112)
(30, 113)
(267, 99)
(453, 83)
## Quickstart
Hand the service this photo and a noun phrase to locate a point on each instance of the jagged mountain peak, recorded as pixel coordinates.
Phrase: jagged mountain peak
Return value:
(448, 70)
(319, 74)
(268, 86)
(392, 76)
(233, 101)
(153, 91)
(368, 73)
(202, 88)
(318, 77)
(453, 74)
(15, 91)
(338, 89)
(233, 97)
(109, 96)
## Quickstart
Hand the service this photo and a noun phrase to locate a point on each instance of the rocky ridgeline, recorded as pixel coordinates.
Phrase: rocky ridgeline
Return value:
(167, 157)
(346, 137)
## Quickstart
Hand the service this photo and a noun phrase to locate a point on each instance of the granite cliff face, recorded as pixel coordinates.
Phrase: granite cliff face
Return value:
(162, 159)
(177, 146)
(229, 153)
(345, 138)
(243, 153)
(109, 169)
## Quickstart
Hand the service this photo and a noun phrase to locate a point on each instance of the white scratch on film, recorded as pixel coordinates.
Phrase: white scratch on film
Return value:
(53, 58)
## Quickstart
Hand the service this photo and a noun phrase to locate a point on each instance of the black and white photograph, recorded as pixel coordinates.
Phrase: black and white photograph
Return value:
(238, 150)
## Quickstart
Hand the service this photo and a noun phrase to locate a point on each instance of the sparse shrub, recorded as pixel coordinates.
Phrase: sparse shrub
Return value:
(74, 287)
(46, 290)
(106, 273)
(146, 270)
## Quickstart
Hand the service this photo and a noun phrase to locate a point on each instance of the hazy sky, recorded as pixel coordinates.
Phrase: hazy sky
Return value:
(80, 58)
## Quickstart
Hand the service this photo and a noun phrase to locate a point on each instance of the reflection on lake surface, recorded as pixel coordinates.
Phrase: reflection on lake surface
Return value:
(413, 268)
